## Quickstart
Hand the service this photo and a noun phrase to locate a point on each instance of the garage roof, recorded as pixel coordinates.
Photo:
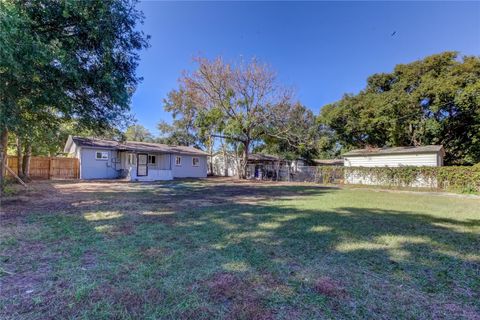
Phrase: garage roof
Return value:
(394, 150)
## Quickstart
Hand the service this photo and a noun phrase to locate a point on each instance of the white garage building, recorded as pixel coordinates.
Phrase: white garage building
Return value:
(424, 156)
(429, 156)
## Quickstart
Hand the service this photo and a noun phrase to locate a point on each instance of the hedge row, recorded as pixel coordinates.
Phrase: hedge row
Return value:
(456, 178)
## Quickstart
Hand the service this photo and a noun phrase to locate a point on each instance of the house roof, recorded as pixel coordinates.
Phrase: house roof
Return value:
(94, 142)
(395, 150)
(255, 156)
(135, 146)
(263, 157)
(328, 161)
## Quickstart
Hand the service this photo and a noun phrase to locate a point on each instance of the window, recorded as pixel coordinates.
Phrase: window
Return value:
(101, 155)
(195, 161)
(131, 158)
(178, 161)
(152, 159)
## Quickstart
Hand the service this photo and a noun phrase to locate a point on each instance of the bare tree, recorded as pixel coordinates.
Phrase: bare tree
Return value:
(236, 99)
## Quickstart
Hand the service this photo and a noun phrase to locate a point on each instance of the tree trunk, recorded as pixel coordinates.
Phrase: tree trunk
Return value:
(246, 145)
(19, 158)
(210, 147)
(238, 166)
(26, 160)
(3, 157)
(225, 159)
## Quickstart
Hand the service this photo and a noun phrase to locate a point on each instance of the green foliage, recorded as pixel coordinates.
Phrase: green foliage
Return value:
(232, 101)
(432, 101)
(293, 133)
(466, 179)
(138, 132)
(454, 178)
(177, 134)
(7, 189)
(64, 60)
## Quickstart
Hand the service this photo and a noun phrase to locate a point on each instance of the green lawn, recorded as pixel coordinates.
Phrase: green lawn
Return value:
(216, 249)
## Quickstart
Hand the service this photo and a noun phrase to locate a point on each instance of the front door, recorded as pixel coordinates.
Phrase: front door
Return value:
(142, 168)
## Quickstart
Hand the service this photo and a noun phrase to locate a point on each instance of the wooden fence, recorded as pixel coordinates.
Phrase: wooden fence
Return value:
(49, 167)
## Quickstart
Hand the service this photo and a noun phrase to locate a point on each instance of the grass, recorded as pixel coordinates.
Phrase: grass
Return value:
(217, 249)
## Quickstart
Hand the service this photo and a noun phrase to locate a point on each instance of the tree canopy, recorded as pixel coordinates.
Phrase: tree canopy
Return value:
(137, 132)
(240, 102)
(67, 60)
(432, 101)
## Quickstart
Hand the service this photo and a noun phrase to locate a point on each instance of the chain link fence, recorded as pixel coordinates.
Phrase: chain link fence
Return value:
(316, 174)
(465, 179)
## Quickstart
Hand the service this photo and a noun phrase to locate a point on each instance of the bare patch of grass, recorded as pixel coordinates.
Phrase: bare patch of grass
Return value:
(238, 295)
(330, 288)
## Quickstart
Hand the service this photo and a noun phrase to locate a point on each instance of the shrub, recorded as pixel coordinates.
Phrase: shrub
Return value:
(458, 178)
(465, 179)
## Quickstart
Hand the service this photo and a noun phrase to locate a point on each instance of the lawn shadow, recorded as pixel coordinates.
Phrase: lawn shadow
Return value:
(412, 258)
(215, 250)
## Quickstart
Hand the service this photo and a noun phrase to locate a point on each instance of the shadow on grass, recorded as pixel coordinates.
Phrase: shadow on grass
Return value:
(191, 243)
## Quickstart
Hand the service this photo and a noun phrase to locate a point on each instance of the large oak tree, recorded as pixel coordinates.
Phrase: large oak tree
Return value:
(64, 60)
(432, 101)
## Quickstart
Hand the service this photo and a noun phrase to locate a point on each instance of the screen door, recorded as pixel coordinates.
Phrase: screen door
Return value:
(142, 168)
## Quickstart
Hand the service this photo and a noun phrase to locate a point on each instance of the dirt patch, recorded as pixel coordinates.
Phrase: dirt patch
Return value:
(75, 197)
(118, 230)
(13, 201)
(238, 295)
(330, 288)
(32, 291)
(460, 311)
(125, 300)
(223, 286)
(164, 218)
(155, 252)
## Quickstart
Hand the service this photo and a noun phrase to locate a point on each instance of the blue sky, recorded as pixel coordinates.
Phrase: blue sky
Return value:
(322, 49)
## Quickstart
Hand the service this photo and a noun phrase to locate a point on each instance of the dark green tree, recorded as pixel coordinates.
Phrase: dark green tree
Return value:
(292, 132)
(177, 134)
(432, 101)
(67, 60)
(137, 132)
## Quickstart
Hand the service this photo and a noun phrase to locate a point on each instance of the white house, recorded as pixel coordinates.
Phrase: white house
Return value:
(135, 161)
(429, 156)
(224, 166)
(258, 166)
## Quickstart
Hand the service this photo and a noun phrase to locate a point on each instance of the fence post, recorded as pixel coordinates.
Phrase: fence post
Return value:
(49, 168)
(77, 168)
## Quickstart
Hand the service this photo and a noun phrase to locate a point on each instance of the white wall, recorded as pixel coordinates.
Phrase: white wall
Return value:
(219, 166)
(394, 160)
(153, 174)
(157, 171)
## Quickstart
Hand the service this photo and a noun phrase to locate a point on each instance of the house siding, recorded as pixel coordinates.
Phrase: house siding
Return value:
(91, 168)
(394, 160)
(391, 160)
(160, 170)
(117, 165)
(187, 170)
